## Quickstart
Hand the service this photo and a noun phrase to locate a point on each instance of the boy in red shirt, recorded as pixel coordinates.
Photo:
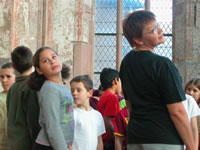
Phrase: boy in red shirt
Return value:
(108, 104)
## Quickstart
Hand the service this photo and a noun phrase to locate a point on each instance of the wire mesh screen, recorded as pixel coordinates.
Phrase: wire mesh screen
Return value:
(105, 36)
(130, 6)
(105, 31)
(163, 11)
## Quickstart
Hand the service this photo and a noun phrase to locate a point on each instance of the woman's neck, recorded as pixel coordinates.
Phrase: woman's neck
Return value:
(144, 48)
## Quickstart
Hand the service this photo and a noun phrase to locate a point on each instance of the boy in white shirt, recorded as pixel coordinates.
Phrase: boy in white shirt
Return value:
(89, 124)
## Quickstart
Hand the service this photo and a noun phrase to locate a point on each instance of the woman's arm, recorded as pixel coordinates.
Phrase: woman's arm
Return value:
(100, 143)
(195, 132)
(179, 118)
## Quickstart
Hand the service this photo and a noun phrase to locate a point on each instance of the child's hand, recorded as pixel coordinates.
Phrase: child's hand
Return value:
(70, 147)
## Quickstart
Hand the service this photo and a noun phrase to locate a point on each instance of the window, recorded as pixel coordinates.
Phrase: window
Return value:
(106, 26)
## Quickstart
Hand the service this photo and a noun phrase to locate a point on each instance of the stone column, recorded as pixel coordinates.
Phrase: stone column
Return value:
(84, 37)
(69, 29)
(186, 37)
(5, 33)
(58, 27)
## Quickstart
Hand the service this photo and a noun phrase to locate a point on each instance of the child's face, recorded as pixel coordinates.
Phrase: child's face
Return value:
(7, 77)
(80, 94)
(152, 35)
(50, 64)
(193, 91)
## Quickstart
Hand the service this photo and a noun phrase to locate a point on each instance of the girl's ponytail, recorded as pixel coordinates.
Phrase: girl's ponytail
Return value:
(35, 81)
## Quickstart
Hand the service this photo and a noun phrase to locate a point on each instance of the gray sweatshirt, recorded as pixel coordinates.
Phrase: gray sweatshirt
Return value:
(56, 116)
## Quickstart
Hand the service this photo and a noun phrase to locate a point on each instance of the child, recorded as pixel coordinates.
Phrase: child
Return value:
(55, 101)
(193, 88)
(153, 86)
(7, 77)
(95, 97)
(89, 124)
(97, 94)
(22, 104)
(120, 129)
(108, 104)
(193, 111)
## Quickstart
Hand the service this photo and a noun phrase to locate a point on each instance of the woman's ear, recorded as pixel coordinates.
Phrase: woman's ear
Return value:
(138, 41)
(38, 71)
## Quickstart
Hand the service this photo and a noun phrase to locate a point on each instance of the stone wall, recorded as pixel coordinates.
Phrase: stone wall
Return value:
(65, 25)
(186, 38)
(68, 27)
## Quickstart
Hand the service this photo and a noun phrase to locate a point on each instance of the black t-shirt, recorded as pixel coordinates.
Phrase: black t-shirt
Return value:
(149, 82)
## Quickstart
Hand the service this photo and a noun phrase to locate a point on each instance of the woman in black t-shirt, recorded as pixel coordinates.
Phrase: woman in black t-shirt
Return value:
(153, 87)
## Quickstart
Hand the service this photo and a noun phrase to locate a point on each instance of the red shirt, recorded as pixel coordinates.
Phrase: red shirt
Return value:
(108, 105)
(121, 125)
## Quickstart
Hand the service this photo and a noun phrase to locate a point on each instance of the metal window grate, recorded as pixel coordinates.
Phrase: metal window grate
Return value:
(105, 31)
(163, 11)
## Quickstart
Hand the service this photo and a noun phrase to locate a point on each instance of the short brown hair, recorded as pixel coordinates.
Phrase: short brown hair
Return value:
(85, 79)
(133, 24)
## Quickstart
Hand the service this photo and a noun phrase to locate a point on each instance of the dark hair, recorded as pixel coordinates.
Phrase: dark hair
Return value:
(36, 80)
(21, 58)
(6, 65)
(107, 77)
(85, 79)
(65, 72)
(194, 81)
(133, 24)
(100, 88)
(9, 66)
